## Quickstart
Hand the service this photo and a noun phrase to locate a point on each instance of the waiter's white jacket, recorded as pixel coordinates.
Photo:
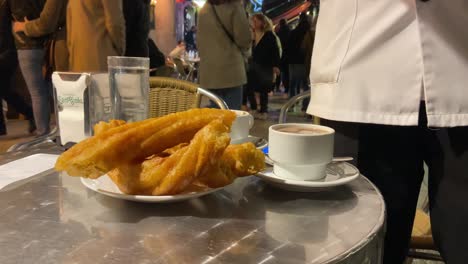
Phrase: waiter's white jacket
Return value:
(374, 61)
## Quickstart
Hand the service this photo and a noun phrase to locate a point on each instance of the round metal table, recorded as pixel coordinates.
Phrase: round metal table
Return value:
(52, 218)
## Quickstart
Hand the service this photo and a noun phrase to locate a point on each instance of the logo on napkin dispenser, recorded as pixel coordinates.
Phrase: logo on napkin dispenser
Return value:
(70, 101)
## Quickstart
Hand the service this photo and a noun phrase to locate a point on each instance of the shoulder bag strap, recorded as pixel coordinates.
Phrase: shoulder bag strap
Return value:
(224, 29)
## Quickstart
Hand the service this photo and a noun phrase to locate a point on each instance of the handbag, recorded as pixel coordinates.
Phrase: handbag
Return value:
(260, 77)
(48, 64)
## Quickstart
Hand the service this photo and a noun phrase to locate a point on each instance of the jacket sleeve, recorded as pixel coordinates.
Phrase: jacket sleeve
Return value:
(48, 20)
(242, 34)
(274, 49)
(115, 23)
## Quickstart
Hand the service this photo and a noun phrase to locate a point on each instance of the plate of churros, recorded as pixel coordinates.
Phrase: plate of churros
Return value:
(170, 158)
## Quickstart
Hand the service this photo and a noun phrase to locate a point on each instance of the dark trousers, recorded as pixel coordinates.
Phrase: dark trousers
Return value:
(249, 95)
(392, 158)
(285, 77)
(297, 79)
(263, 102)
(14, 99)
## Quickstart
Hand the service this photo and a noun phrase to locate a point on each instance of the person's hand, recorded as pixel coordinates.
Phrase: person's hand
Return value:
(276, 70)
(19, 26)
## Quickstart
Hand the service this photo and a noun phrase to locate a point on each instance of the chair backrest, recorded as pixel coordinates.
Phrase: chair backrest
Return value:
(49, 138)
(164, 71)
(169, 95)
(179, 63)
(290, 103)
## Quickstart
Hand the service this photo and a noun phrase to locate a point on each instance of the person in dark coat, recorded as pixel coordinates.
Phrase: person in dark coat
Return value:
(296, 56)
(8, 64)
(190, 39)
(137, 25)
(157, 58)
(265, 64)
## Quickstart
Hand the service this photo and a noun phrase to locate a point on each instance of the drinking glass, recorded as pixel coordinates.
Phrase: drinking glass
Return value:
(129, 87)
(100, 102)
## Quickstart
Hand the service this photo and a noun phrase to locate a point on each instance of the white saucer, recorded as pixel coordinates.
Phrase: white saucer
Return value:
(259, 142)
(104, 185)
(338, 173)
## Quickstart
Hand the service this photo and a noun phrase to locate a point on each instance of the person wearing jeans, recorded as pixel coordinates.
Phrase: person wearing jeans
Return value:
(50, 23)
(232, 96)
(31, 58)
(30, 62)
(223, 41)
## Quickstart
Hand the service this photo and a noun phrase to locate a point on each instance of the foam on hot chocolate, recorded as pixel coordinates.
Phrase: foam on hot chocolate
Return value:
(302, 130)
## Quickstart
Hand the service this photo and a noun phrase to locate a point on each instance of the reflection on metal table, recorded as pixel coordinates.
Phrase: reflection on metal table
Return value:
(52, 218)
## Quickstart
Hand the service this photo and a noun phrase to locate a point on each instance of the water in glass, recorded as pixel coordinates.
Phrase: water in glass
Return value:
(129, 90)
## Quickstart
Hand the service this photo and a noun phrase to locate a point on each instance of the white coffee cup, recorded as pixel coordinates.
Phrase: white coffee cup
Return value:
(241, 126)
(300, 151)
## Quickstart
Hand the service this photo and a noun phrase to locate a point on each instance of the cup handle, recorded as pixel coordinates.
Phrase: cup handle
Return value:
(251, 121)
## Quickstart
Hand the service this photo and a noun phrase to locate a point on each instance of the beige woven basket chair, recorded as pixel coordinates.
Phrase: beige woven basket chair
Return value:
(168, 95)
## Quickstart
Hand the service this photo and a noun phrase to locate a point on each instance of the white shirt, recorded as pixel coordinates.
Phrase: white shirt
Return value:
(177, 52)
(371, 58)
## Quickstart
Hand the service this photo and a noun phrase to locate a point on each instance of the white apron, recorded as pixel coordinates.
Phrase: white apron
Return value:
(374, 61)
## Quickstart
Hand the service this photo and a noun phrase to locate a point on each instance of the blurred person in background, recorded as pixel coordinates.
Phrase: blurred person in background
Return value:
(308, 46)
(137, 26)
(264, 65)
(8, 64)
(297, 56)
(51, 23)
(31, 57)
(95, 30)
(224, 42)
(283, 34)
(190, 38)
(393, 77)
(179, 51)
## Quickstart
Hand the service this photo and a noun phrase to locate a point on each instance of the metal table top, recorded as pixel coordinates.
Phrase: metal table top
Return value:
(51, 218)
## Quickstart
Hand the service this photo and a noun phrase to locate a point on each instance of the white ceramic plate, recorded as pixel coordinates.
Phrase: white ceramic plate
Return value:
(104, 185)
(338, 173)
(260, 143)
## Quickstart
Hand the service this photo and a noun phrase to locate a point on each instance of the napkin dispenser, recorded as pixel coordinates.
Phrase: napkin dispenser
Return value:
(72, 106)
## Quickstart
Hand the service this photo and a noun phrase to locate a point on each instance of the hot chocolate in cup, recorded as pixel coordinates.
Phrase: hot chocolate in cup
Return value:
(241, 126)
(300, 151)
